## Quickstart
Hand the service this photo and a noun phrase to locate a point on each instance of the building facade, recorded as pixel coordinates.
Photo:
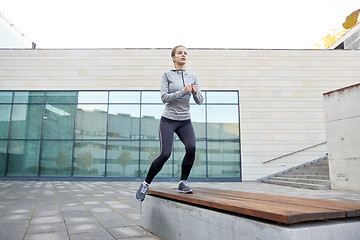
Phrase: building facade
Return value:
(93, 113)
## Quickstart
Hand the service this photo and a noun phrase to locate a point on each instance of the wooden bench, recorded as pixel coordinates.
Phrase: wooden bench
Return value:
(280, 209)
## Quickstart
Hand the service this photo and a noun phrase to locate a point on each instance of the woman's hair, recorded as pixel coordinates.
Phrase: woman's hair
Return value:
(174, 50)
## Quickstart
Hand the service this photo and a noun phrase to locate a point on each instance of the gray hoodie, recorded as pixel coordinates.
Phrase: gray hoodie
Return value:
(176, 100)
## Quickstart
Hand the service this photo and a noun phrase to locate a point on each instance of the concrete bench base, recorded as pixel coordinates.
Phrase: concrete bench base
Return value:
(171, 220)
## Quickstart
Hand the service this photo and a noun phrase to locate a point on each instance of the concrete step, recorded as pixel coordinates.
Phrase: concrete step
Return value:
(298, 185)
(301, 180)
(321, 177)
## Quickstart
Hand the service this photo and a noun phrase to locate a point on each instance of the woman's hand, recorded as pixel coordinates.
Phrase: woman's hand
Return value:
(194, 89)
(188, 88)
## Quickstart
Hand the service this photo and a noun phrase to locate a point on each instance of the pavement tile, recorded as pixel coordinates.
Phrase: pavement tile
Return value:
(85, 228)
(47, 228)
(47, 236)
(129, 232)
(91, 236)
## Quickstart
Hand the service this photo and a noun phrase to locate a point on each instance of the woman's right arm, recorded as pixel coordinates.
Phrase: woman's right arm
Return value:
(166, 96)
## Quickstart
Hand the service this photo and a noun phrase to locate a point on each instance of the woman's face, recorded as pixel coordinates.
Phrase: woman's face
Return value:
(180, 56)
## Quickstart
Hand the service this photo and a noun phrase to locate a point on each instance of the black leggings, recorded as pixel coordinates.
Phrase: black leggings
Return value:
(185, 132)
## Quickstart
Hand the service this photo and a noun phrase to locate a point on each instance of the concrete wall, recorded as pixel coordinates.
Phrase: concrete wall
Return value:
(342, 117)
(281, 91)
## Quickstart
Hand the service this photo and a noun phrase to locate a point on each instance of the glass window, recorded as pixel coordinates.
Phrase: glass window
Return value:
(6, 97)
(4, 120)
(150, 119)
(91, 121)
(23, 158)
(61, 97)
(122, 159)
(26, 121)
(56, 158)
(223, 122)
(89, 159)
(222, 97)
(149, 151)
(198, 120)
(224, 159)
(28, 97)
(151, 97)
(124, 97)
(124, 121)
(199, 167)
(3, 147)
(59, 121)
(93, 97)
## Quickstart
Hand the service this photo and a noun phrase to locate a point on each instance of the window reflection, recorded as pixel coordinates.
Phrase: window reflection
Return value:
(124, 97)
(223, 158)
(3, 147)
(56, 158)
(151, 97)
(122, 128)
(61, 97)
(89, 159)
(23, 158)
(6, 97)
(93, 97)
(150, 119)
(26, 121)
(28, 97)
(122, 159)
(90, 121)
(222, 97)
(124, 121)
(222, 122)
(58, 121)
(4, 120)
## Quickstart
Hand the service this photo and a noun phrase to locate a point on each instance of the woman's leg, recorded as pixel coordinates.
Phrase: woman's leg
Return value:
(166, 135)
(187, 136)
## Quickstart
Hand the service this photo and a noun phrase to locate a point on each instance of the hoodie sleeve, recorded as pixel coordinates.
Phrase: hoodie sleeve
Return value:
(166, 96)
(198, 97)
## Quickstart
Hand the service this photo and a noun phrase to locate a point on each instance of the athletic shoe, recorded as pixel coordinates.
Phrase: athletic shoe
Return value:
(184, 187)
(140, 194)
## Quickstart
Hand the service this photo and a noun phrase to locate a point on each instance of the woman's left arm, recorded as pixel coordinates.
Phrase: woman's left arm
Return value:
(198, 98)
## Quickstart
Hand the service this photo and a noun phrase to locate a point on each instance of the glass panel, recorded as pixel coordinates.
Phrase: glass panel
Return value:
(89, 159)
(222, 97)
(3, 146)
(150, 118)
(124, 97)
(151, 97)
(23, 158)
(197, 113)
(149, 151)
(90, 121)
(224, 159)
(123, 159)
(199, 167)
(93, 97)
(28, 97)
(4, 120)
(124, 122)
(223, 122)
(59, 121)
(56, 158)
(5, 97)
(60, 97)
(26, 121)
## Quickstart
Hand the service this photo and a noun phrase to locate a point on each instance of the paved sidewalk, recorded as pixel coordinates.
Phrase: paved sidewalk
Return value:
(101, 210)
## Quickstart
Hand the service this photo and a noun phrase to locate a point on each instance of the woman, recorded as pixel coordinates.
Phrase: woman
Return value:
(177, 86)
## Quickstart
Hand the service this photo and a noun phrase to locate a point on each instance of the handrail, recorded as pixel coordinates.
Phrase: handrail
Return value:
(288, 154)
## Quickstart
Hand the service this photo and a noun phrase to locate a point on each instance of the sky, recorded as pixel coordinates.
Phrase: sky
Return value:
(251, 24)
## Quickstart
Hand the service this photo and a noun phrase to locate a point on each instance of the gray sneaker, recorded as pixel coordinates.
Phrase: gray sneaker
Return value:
(184, 187)
(140, 194)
